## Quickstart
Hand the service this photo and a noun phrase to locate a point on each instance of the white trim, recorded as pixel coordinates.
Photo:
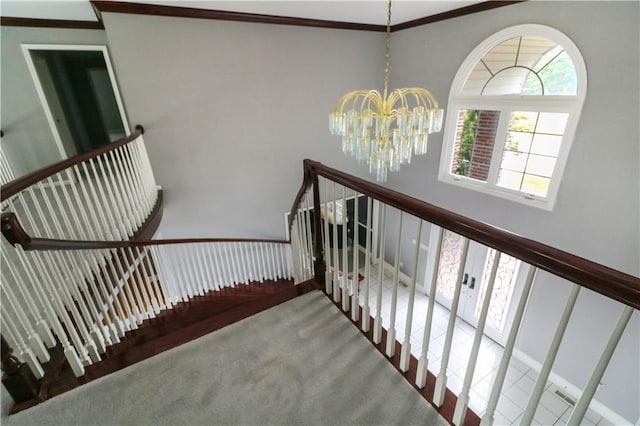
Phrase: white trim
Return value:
(506, 105)
(27, 47)
(572, 390)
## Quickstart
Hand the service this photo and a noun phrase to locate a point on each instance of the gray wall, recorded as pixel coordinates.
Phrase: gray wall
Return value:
(597, 211)
(28, 139)
(232, 109)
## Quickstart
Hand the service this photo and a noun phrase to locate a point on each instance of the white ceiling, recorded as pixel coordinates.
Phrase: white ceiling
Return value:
(359, 11)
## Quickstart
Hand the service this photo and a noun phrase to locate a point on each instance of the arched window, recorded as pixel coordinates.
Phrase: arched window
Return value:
(513, 110)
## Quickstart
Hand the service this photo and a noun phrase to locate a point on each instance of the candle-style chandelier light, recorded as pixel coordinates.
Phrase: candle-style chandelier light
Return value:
(386, 131)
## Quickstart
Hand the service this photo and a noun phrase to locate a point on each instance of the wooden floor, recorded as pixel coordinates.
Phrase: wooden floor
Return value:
(171, 328)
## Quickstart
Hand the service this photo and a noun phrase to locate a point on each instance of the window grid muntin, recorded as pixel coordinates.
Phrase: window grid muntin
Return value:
(507, 105)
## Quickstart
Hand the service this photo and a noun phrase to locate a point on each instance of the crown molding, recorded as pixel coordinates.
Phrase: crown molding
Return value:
(455, 13)
(186, 12)
(7, 21)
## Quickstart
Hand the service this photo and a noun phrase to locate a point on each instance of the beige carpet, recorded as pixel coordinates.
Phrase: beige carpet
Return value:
(299, 363)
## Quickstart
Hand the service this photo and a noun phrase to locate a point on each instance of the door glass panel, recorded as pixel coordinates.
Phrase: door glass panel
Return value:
(502, 289)
(449, 265)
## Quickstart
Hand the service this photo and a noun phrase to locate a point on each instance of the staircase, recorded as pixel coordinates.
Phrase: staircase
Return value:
(90, 292)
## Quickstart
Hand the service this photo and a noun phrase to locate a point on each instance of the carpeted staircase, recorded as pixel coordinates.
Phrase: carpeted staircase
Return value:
(301, 362)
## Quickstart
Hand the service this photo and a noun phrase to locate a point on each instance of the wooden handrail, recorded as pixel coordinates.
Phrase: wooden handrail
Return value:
(306, 183)
(609, 282)
(14, 233)
(12, 188)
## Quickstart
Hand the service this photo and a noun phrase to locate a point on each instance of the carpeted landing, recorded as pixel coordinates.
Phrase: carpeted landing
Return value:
(300, 363)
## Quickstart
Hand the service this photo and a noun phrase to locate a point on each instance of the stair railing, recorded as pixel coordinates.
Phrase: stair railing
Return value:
(104, 194)
(48, 303)
(390, 230)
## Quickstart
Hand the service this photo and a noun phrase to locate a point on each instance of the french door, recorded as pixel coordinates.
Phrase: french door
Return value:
(475, 273)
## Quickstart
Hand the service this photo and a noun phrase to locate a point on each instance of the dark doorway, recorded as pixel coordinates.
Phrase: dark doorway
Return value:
(80, 95)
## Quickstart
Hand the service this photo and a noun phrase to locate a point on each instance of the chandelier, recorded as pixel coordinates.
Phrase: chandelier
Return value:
(385, 131)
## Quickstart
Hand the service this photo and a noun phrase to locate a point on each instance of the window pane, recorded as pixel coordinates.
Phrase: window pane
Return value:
(526, 65)
(552, 123)
(540, 165)
(522, 121)
(532, 148)
(518, 141)
(509, 179)
(559, 76)
(546, 145)
(516, 161)
(509, 81)
(473, 147)
(536, 185)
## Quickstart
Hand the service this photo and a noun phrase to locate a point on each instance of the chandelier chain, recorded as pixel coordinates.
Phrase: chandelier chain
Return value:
(387, 53)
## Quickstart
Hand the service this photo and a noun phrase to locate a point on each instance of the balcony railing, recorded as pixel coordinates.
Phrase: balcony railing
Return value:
(383, 233)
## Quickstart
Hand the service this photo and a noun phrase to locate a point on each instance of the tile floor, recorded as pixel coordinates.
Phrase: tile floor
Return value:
(519, 381)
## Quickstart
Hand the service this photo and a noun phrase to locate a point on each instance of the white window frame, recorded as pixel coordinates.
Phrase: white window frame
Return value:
(507, 104)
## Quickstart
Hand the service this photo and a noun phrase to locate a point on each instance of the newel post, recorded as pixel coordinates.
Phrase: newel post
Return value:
(319, 266)
(17, 378)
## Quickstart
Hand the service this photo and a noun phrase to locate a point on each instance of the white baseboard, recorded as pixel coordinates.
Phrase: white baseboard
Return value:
(402, 277)
(572, 390)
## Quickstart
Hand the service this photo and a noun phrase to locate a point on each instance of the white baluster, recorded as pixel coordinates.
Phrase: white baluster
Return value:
(405, 354)
(51, 307)
(148, 279)
(57, 296)
(536, 394)
(139, 285)
(214, 267)
(44, 332)
(336, 260)
(126, 191)
(97, 257)
(116, 204)
(134, 302)
(24, 351)
(463, 398)
(581, 407)
(192, 248)
(309, 238)
(205, 265)
(220, 264)
(355, 299)
(131, 168)
(441, 380)
(274, 262)
(155, 287)
(254, 247)
(367, 279)
(328, 287)
(391, 333)
(87, 305)
(423, 361)
(294, 253)
(377, 321)
(187, 269)
(496, 389)
(345, 251)
(32, 338)
(233, 267)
